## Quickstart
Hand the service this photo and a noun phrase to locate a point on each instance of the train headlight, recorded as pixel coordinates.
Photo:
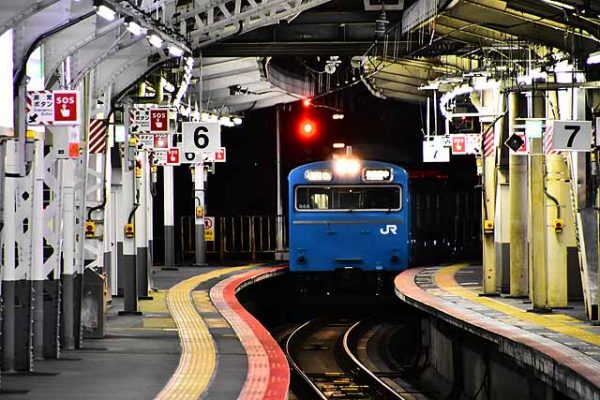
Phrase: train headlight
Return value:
(318, 175)
(347, 166)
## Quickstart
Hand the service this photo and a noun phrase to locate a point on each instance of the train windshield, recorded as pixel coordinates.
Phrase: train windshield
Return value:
(348, 198)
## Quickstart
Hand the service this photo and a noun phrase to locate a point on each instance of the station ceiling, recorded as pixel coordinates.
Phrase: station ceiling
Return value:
(236, 41)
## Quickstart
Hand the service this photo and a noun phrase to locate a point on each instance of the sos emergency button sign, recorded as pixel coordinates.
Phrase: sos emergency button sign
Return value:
(53, 107)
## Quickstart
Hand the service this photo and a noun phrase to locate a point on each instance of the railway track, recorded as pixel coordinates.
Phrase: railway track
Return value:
(325, 365)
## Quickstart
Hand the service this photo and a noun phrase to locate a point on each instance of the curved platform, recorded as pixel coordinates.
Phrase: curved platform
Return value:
(206, 340)
(563, 350)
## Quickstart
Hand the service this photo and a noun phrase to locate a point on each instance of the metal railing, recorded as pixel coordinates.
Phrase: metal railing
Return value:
(248, 236)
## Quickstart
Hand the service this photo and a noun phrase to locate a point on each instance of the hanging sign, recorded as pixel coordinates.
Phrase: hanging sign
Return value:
(572, 135)
(435, 150)
(159, 120)
(201, 137)
(52, 107)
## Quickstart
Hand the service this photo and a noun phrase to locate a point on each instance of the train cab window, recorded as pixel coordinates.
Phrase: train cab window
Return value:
(348, 198)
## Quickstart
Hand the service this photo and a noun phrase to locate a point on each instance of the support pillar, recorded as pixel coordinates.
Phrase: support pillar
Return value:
(37, 249)
(130, 198)
(141, 228)
(169, 218)
(199, 220)
(518, 210)
(8, 262)
(488, 210)
(279, 252)
(68, 256)
(537, 215)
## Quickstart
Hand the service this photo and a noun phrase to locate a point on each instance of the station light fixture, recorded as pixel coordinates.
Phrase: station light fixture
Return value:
(135, 28)
(338, 116)
(175, 51)
(105, 11)
(559, 4)
(155, 40)
(339, 145)
(237, 120)
(226, 121)
(594, 58)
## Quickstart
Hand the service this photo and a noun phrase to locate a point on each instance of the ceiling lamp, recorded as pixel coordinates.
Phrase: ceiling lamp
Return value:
(155, 40)
(338, 116)
(105, 12)
(237, 120)
(594, 58)
(135, 28)
(559, 4)
(175, 51)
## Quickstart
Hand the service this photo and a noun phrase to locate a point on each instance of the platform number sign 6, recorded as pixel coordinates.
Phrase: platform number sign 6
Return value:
(572, 135)
(199, 137)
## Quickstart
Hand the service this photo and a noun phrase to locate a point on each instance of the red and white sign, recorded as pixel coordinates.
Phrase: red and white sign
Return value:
(209, 223)
(173, 156)
(73, 142)
(159, 120)
(97, 136)
(459, 145)
(66, 107)
(221, 155)
(47, 107)
(161, 141)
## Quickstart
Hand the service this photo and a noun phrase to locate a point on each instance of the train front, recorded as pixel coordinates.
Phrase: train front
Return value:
(348, 215)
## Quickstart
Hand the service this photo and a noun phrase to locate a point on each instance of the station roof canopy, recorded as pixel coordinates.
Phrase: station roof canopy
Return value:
(237, 40)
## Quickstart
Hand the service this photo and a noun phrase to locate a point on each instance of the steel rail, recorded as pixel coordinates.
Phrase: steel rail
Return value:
(364, 373)
(288, 352)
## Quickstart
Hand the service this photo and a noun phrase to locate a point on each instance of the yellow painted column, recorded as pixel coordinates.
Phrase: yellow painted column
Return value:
(537, 216)
(558, 230)
(555, 234)
(518, 211)
(488, 210)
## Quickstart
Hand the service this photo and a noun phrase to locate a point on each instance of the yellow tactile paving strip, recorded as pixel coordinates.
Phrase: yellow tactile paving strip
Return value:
(198, 353)
(560, 323)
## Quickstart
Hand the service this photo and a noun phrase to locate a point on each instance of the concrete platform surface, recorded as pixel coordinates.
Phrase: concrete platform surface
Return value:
(171, 351)
(561, 347)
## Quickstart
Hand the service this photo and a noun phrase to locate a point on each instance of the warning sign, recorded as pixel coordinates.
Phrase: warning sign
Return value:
(209, 229)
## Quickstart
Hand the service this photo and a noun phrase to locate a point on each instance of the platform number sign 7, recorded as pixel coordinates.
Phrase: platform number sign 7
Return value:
(199, 137)
(572, 135)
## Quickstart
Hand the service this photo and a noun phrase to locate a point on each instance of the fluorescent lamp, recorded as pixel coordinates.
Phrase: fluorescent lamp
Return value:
(135, 28)
(106, 12)
(594, 58)
(175, 51)
(339, 145)
(559, 4)
(155, 40)
(237, 120)
(338, 116)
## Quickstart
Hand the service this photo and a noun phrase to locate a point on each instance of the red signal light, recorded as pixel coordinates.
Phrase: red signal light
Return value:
(308, 129)
(306, 102)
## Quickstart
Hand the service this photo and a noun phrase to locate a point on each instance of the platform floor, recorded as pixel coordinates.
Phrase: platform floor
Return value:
(560, 341)
(170, 352)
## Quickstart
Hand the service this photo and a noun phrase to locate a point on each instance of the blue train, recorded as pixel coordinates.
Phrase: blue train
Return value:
(348, 216)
